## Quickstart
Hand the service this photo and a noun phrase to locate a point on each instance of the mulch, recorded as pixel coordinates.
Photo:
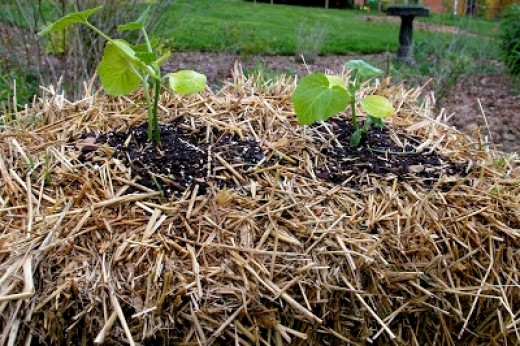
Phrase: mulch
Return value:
(282, 234)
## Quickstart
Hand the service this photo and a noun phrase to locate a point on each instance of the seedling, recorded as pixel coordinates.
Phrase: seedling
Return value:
(124, 66)
(318, 97)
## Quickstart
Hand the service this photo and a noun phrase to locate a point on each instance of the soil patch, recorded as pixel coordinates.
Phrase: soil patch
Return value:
(487, 102)
(182, 160)
(383, 152)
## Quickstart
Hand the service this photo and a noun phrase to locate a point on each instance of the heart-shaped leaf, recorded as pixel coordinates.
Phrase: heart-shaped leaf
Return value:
(363, 69)
(117, 72)
(318, 97)
(186, 82)
(377, 106)
(68, 20)
(335, 81)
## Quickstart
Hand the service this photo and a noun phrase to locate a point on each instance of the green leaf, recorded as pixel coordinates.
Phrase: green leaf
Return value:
(368, 123)
(125, 48)
(139, 23)
(68, 20)
(58, 43)
(316, 99)
(146, 57)
(355, 139)
(363, 69)
(163, 58)
(143, 47)
(377, 106)
(117, 72)
(376, 121)
(130, 26)
(335, 81)
(186, 82)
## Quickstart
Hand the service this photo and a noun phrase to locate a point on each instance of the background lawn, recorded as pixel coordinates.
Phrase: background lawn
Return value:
(244, 27)
(237, 26)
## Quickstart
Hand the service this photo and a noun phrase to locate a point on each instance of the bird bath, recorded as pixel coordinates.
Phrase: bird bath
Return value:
(407, 14)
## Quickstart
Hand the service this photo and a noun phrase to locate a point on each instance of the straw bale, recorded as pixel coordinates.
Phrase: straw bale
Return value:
(278, 257)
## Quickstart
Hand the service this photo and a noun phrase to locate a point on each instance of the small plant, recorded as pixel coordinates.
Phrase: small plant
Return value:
(309, 41)
(124, 66)
(318, 97)
(510, 39)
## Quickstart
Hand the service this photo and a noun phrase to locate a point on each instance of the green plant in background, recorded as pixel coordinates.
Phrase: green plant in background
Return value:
(510, 39)
(265, 77)
(16, 86)
(318, 97)
(309, 41)
(446, 60)
(124, 66)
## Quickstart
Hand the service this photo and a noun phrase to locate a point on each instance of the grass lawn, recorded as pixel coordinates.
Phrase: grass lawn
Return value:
(245, 27)
(248, 28)
(476, 25)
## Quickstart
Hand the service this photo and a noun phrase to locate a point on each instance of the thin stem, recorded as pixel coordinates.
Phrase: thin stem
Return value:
(149, 108)
(99, 32)
(353, 88)
(354, 117)
(154, 112)
(147, 40)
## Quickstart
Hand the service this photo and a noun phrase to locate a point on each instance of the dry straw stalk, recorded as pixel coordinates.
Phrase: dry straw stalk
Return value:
(278, 256)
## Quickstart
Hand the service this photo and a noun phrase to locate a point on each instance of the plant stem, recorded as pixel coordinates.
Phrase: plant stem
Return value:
(154, 112)
(99, 32)
(354, 117)
(149, 108)
(147, 40)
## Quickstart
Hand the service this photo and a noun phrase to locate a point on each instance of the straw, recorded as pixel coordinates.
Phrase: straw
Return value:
(265, 253)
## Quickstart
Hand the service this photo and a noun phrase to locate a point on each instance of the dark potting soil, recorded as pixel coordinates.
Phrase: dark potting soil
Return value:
(379, 154)
(184, 158)
(187, 156)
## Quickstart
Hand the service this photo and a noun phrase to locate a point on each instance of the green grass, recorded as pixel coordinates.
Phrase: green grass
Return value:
(475, 25)
(245, 27)
(238, 26)
(249, 28)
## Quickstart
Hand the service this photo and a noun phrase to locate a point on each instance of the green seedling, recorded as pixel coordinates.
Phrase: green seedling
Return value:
(318, 97)
(124, 66)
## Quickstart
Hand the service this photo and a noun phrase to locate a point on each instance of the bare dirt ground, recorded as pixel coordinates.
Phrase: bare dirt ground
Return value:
(475, 100)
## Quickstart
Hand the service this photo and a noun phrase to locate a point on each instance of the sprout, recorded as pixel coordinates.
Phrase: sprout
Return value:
(318, 97)
(124, 66)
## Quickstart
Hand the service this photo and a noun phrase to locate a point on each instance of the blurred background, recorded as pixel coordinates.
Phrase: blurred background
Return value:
(464, 50)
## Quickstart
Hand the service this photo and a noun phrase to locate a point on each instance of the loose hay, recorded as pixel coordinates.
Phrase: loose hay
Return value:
(279, 256)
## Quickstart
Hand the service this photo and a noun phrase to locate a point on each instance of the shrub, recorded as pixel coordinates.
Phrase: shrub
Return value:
(448, 60)
(69, 56)
(309, 40)
(510, 39)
